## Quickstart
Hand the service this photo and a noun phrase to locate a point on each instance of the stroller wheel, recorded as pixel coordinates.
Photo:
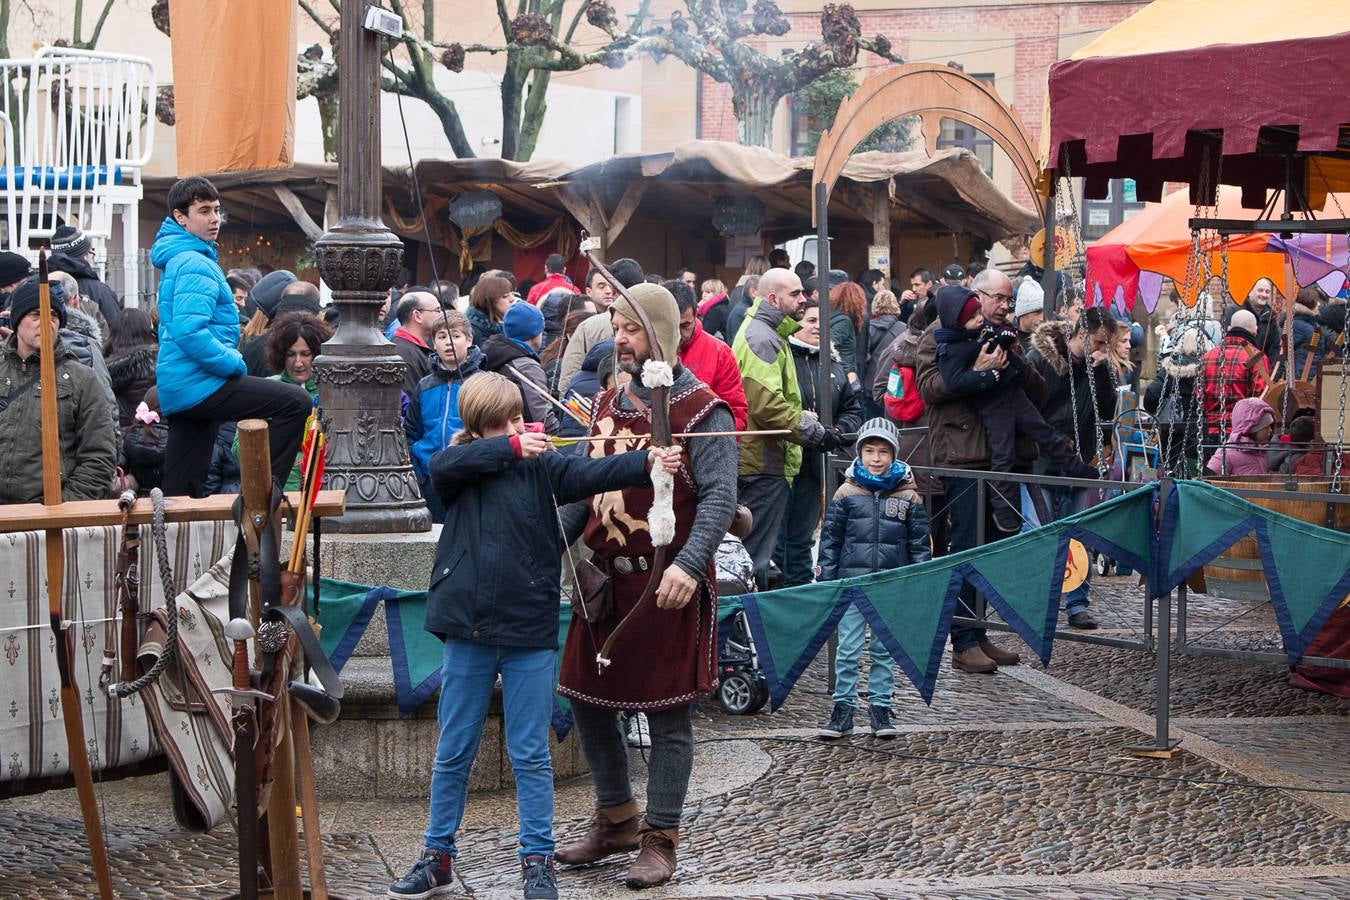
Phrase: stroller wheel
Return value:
(739, 694)
(1102, 564)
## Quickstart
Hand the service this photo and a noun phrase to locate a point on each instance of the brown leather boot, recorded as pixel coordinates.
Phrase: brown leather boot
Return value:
(613, 830)
(655, 862)
(999, 655)
(973, 660)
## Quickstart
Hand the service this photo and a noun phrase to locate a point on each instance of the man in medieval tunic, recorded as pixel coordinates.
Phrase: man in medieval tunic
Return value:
(664, 657)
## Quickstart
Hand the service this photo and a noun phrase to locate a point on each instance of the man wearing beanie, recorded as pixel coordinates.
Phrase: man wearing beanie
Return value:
(73, 252)
(84, 411)
(515, 353)
(665, 659)
(14, 268)
(1230, 372)
(202, 378)
(769, 376)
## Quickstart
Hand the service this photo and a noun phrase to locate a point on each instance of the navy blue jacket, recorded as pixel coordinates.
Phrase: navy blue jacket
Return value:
(585, 384)
(496, 577)
(871, 531)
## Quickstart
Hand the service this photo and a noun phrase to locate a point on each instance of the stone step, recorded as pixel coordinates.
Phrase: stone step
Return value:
(372, 753)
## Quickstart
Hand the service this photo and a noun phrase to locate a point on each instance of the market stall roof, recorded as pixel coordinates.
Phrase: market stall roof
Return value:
(260, 197)
(948, 192)
(1260, 80)
(945, 192)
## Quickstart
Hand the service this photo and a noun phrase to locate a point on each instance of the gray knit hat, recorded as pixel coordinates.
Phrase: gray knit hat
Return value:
(881, 429)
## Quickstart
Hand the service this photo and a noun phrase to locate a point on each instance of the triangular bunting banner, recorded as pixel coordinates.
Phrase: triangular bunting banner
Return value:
(911, 614)
(1023, 578)
(1121, 527)
(1307, 591)
(789, 627)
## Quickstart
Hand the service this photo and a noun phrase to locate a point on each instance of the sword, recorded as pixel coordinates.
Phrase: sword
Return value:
(244, 701)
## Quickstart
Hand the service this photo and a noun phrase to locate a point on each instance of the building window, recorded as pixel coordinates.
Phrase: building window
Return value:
(959, 134)
(1100, 216)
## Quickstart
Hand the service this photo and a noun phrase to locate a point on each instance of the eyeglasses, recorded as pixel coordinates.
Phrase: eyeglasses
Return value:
(1004, 299)
(429, 309)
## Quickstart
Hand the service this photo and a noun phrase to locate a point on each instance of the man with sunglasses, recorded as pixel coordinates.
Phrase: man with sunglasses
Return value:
(958, 440)
(769, 376)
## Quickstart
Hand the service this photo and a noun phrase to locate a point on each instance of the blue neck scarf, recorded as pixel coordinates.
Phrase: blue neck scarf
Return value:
(888, 481)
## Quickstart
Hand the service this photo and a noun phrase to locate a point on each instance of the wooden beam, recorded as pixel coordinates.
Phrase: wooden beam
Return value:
(94, 513)
(628, 204)
(598, 201)
(296, 208)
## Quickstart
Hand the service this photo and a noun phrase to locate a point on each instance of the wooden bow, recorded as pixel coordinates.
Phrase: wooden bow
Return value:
(660, 437)
(56, 565)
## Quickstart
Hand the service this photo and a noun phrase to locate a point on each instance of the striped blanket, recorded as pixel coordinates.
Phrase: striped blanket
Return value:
(118, 733)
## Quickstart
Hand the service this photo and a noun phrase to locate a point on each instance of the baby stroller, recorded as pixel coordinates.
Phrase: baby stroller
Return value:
(743, 689)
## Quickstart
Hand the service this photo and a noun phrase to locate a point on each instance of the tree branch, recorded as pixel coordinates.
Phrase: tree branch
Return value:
(314, 15)
(98, 25)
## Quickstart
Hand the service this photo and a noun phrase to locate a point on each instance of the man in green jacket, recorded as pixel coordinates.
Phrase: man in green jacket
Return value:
(84, 413)
(769, 377)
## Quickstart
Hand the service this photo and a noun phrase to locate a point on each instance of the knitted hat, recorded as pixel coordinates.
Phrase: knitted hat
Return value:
(14, 267)
(522, 322)
(954, 305)
(659, 305)
(1245, 320)
(290, 303)
(267, 292)
(878, 429)
(1030, 298)
(24, 300)
(71, 241)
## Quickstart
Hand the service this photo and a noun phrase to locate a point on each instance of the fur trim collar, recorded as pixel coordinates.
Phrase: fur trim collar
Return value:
(1051, 341)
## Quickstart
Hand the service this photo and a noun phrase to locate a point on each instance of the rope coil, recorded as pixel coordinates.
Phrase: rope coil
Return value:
(160, 535)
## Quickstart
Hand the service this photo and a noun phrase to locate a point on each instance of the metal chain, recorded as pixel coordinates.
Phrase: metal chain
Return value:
(1076, 228)
(1340, 418)
(170, 650)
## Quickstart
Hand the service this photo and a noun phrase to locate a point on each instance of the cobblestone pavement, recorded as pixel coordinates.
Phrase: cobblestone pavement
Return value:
(1004, 788)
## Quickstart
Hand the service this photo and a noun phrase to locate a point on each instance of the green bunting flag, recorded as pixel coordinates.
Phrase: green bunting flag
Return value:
(789, 627)
(1307, 567)
(911, 613)
(1023, 578)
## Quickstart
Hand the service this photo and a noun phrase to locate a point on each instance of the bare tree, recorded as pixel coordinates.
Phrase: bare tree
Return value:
(716, 37)
(536, 42)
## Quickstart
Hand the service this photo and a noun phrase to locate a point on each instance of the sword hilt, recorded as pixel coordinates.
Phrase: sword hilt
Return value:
(239, 631)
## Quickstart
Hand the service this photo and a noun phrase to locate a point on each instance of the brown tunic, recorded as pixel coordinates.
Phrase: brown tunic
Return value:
(665, 657)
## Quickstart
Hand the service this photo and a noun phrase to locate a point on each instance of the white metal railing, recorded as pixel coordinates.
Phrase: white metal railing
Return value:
(79, 129)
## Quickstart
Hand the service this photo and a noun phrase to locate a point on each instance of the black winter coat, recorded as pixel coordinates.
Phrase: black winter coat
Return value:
(131, 375)
(1051, 358)
(498, 562)
(871, 531)
(846, 405)
(91, 285)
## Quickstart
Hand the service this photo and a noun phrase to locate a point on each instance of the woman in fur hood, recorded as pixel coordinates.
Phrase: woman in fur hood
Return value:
(1061, 351)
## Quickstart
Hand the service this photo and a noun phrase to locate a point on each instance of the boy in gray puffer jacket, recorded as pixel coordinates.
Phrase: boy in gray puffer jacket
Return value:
(876, 521)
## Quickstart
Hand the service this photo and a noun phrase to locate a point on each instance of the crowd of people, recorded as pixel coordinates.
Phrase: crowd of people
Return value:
(527, 409)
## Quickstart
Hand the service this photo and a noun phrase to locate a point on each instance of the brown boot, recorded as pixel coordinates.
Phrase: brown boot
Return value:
(973, 660)
(999, 655)
(655, 862)
(613, 830)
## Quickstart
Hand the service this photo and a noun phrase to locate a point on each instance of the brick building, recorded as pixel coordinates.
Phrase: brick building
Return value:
(1011, 43)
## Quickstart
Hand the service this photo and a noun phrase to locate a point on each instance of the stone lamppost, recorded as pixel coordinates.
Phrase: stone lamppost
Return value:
(360, 375)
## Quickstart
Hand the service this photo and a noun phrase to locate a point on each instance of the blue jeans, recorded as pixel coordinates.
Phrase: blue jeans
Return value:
(469, 674)
(1062, 501)
(880, 680)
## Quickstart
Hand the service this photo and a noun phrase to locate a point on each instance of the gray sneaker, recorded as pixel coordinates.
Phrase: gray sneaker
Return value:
(840, 724)
(541, 882)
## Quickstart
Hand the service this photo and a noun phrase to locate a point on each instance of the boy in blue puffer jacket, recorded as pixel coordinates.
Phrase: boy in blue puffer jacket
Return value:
(432, 416)
(202, 378)
(876, 521)
(494, 601)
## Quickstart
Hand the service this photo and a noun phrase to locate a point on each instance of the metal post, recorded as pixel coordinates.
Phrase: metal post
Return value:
(1048, 278)
(823, 298)
(1181, 617)
(981, 497)
(1163, 746)
(360, 376)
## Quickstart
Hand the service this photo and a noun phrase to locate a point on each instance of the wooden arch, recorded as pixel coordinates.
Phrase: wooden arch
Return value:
(933, 93)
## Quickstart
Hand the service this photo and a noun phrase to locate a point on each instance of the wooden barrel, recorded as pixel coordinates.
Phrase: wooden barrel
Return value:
(1238, 572)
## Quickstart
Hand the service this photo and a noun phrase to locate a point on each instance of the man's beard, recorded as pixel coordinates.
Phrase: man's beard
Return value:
(634, 365)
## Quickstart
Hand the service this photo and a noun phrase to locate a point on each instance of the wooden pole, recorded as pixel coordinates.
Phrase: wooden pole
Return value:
(56, 563)
(309, 804)
(255, 469)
